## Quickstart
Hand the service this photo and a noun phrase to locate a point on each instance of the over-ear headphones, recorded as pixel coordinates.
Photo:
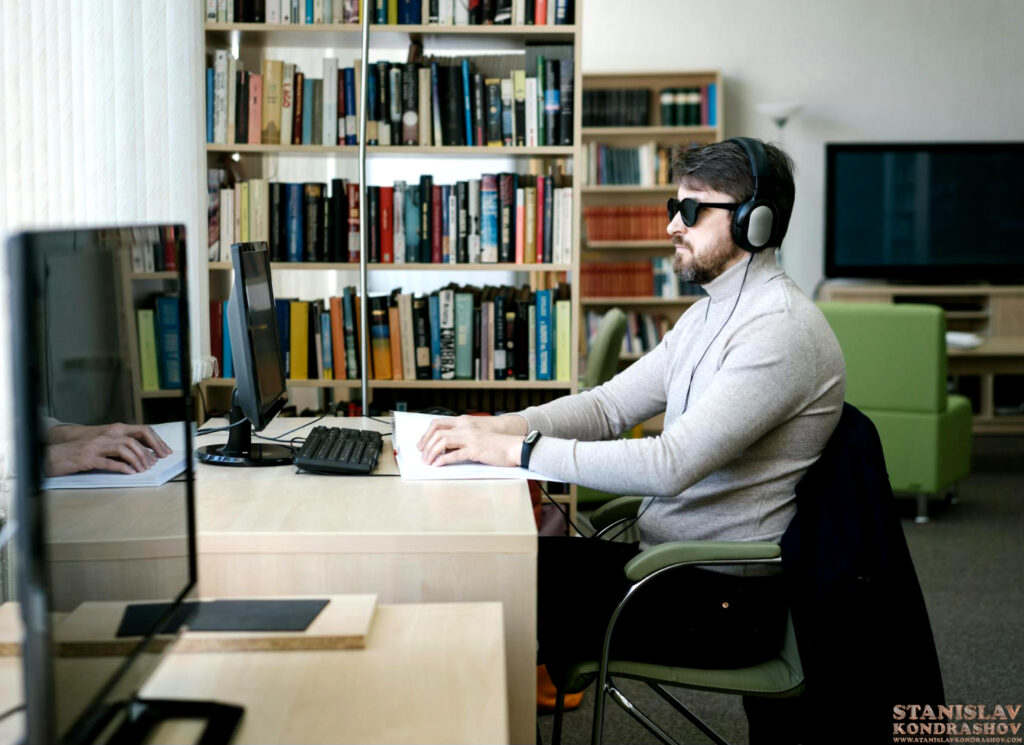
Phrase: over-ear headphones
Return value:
(756, 223)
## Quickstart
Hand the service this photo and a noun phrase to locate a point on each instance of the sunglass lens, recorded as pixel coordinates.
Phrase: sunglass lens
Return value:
(673, 208)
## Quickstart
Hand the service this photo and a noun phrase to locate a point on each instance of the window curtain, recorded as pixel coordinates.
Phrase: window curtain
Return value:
(101, 122)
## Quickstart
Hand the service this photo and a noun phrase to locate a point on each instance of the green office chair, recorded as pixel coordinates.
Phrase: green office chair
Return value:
(602, 364)
(779, 677)
(603, 355)
(896, 374)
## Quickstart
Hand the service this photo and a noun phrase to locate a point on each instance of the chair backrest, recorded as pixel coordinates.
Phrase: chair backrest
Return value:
(603, 357)
(895, 354)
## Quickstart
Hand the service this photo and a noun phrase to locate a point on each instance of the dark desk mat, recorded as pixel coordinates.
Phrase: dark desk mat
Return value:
(224, 615)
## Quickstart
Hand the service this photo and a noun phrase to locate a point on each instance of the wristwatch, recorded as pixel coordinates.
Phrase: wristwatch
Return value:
(528, 443)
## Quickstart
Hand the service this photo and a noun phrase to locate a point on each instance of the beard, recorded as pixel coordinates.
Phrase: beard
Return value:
(700, 271)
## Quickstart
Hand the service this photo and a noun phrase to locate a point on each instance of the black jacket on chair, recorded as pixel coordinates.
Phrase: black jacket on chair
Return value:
(861, 623)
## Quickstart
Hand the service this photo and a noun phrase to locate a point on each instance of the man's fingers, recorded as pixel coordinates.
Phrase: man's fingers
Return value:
(109, 464)
(433, 427)
(144, 454)
(149, 436)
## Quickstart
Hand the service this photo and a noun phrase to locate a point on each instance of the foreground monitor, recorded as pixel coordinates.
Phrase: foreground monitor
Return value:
(91, 540)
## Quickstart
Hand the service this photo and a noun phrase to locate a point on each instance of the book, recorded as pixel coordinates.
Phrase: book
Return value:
(352, 193)
(255, 89)
(276, 217)
(351, 332)
(298, 342)
(563, 336)
(337, 339)
(489, 218)
(446, 312)
(520, 231)
(330, 103)
(434, 318)
(395, 339)
(326, 345)
(298, 108)
(351, 123)
(424, 107)
(294, 223)
(168, 340)
(385, 225)
(273, 73)
(229, 368)
(407, 336)
(506, 217)
(220, 96)
(421, 337)
(307, 112)
(380, 341)
(493, 119)
(544, 335)
(313, 214)
(410, 105)
(412, 224)
(398, 222)
(317, 134)
(148, 365)
(216, 338)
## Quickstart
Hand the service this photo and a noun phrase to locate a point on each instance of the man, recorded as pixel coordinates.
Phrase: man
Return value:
(751, 381)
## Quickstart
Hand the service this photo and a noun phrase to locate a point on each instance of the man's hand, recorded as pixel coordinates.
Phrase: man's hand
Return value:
(140, 433)
(462, 443)
(507, 424)
(121, 454)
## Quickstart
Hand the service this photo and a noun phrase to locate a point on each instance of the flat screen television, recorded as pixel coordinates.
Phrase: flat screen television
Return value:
(928, 212)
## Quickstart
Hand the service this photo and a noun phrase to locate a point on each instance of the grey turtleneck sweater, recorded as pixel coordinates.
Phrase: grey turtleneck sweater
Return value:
(766, 394)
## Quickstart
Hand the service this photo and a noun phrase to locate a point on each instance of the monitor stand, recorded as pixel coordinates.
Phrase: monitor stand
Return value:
(240, 450)
(144, 715)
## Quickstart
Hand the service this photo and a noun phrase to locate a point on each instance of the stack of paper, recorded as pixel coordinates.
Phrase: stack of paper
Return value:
(408, 429)
(165, 469)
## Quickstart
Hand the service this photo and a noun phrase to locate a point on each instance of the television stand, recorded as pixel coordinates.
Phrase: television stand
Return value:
(240, 450)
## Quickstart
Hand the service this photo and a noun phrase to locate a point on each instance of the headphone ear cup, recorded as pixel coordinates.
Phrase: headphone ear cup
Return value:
(760, 222)
(753, 225)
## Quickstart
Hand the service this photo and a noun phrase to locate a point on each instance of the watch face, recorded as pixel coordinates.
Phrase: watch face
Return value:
(532, 437)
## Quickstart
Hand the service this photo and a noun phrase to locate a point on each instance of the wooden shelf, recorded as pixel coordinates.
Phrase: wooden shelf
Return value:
(476, 384)
(664, 244)
(675, 132)
(476, 151)
(141, 276)
(353, 267)
(382, 35)
(618, 189)
(168, 393)
(409, 384)
(606, 301)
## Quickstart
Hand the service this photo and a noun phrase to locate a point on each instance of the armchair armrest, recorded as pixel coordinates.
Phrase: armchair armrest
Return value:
(619, 509)
(698, 552)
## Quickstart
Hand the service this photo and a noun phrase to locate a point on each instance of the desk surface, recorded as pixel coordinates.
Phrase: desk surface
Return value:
(430, 673)
(295, 511)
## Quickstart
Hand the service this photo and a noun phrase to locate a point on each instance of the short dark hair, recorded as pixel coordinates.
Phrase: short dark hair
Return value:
(725, 167)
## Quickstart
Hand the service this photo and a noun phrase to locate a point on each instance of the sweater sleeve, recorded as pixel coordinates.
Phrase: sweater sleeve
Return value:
(633, 396)
(764, 377)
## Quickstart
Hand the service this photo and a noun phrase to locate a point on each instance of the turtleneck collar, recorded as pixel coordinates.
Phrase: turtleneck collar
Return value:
(763, 267)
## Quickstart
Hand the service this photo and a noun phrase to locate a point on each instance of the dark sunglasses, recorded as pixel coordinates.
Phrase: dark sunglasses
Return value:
(690, 208)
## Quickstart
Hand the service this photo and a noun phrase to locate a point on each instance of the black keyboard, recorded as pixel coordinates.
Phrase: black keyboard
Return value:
(340, 450)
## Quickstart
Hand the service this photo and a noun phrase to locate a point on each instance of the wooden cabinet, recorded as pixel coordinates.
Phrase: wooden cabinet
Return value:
(992, 374)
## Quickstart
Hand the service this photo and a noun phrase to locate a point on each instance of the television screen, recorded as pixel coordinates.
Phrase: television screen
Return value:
(950, 212)
(106, 515)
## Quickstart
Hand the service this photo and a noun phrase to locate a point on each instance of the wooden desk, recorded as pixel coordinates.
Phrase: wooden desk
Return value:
(277, 532)
(431, 673)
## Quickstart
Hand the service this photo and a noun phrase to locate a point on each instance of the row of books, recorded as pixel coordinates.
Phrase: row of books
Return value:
(404, 12)
(505, 217)
(651, 278)
(456, 333)
(159, 336)
(640, 165)
(617, 107)
(152, 249)
(504, 101)
(625, 223)
(689, 107)
(643, 330)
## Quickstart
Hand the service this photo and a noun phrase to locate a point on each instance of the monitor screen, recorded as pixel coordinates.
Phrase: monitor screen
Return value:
(255, 343)
(941, 212)
(263, 332)
(103, 462)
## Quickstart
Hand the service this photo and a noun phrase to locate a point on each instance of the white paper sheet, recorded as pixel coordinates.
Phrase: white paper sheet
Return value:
(165, 469)
(409, 427)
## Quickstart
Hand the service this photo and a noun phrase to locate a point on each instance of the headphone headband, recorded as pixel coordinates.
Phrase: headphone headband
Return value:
(756, 223)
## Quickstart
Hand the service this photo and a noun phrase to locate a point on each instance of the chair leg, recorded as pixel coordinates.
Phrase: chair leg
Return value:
(685, 711)
(597, 732)
(645, 720)
(556, 729)
(922, 509)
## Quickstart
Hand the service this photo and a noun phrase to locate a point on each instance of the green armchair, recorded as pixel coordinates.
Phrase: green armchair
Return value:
(896, 374)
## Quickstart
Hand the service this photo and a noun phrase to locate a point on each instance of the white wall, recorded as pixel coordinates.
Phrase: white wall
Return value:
(913, 70)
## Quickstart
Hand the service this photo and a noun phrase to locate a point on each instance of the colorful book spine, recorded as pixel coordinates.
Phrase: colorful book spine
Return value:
(168, 337)
(489, 218)
(544, 335)
(148, 365)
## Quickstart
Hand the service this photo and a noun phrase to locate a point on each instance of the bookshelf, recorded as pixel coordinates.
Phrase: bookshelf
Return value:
(643, 183)
(306, 46)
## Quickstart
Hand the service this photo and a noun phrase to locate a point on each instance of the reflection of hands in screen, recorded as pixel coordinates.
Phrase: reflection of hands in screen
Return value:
(122, 448)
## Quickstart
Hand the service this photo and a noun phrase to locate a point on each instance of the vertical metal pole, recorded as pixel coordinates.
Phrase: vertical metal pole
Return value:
(364, 305)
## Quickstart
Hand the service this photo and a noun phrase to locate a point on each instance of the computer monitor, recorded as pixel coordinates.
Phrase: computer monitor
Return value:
(81, 301)
(260, 391)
